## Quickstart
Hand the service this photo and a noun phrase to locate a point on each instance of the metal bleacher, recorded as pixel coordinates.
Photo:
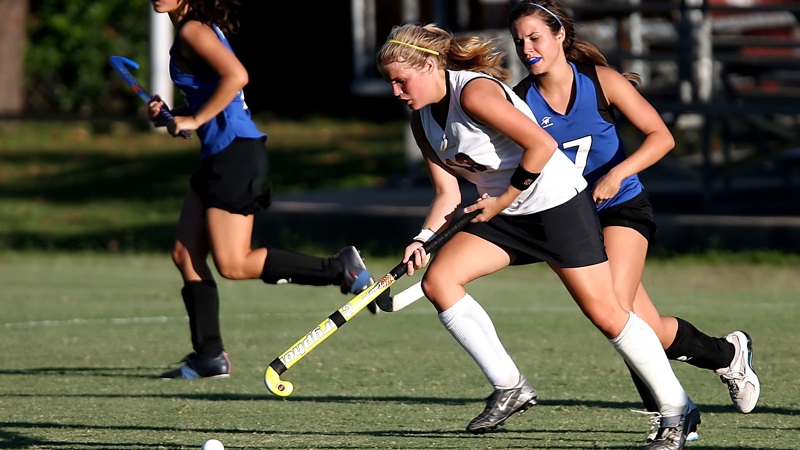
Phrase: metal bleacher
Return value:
(725, 74)
(727, 80)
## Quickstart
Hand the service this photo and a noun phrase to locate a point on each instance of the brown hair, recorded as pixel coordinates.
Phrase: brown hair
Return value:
(555, 17)
(415, 43)
(219, 12)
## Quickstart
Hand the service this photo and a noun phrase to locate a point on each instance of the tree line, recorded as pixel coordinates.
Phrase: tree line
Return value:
(54, 58)
(55, 55)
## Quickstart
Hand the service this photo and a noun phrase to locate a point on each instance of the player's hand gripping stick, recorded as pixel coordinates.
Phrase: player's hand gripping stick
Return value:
(121, 65)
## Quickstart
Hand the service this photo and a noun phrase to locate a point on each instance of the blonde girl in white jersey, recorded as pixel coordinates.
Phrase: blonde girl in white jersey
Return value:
(535, 207)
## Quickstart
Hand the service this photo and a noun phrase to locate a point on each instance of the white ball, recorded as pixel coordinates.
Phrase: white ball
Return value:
(213, 444)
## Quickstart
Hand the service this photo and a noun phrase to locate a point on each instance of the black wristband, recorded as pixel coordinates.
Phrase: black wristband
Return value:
(522, 179)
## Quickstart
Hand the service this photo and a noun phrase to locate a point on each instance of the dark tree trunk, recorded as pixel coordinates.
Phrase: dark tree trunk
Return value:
(13, 18)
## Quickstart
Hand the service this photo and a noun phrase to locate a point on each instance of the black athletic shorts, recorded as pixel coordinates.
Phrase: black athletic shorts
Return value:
(636, 213)
(233, 179)
(568, 235)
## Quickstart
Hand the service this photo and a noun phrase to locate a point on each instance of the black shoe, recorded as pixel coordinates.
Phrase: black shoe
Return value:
(502, 404)
(200, 366)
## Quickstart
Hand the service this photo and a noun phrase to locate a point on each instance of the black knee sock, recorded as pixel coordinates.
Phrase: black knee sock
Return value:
(188, 302)
(284, 266)
(699, 349)
(201, 299)
(648, 400)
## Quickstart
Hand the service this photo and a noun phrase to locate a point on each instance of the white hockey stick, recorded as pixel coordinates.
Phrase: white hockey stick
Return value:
(402, 299)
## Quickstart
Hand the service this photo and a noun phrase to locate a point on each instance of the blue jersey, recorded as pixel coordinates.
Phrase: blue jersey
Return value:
(197, 82)
(587, 133)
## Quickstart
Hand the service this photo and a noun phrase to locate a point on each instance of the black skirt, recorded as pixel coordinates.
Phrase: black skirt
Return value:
(636, 213)
(234, 179)
(568, 235)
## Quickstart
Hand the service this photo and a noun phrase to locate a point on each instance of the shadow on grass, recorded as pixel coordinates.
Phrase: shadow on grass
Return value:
(151, 373)
(77, 180)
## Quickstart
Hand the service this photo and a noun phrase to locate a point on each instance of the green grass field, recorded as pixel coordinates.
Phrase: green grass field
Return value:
(83, 337)
(92, 314)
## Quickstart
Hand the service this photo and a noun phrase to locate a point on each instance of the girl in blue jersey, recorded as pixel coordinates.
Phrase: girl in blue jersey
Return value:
(227, 190)
(535, 207)
(574, 95)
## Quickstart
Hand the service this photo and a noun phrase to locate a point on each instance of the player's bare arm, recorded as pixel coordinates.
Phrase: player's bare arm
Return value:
(447, 192)
(486, 101)
(446, 200)
(201, 43)
(658, 140)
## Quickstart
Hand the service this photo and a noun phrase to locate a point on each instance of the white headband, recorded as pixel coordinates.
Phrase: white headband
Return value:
(548, 12)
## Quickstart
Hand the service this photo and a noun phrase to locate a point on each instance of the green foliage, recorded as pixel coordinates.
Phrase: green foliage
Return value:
(66, 62)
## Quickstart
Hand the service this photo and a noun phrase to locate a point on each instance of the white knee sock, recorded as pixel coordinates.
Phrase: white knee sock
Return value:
(469, 324)
(640, 347)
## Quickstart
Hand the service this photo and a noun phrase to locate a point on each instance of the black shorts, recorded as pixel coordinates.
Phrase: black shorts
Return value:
(568, 235)
(233, 179)
(636, 213)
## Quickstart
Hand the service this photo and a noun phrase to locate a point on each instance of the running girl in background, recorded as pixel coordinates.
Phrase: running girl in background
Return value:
(227, 190)
(574, 94)
(535, 207)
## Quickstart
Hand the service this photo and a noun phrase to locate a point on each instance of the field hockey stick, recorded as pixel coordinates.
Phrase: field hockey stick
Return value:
(394, 303)
(290, 357)
(121, 64)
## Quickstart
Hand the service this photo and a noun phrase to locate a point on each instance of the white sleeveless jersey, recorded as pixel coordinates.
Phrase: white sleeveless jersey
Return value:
(488, 158)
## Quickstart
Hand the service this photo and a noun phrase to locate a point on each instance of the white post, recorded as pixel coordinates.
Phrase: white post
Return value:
(637, 42)
(705, 61)
(357, 8)
(409, 11)
(161, 35)
(462, 13)
(363, 16)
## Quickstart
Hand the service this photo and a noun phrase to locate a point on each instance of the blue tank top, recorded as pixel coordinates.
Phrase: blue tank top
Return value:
(197, 82)
(587, 133)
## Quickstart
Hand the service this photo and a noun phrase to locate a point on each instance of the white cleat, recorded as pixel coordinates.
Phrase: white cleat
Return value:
(742, 381)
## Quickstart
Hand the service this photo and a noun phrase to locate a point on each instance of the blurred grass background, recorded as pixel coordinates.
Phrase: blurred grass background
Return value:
(116, 186)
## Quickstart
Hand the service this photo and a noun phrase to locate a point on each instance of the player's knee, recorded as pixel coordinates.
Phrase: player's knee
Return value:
(610, 323)
(181, 256)
(431, 288)
(231, 270)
